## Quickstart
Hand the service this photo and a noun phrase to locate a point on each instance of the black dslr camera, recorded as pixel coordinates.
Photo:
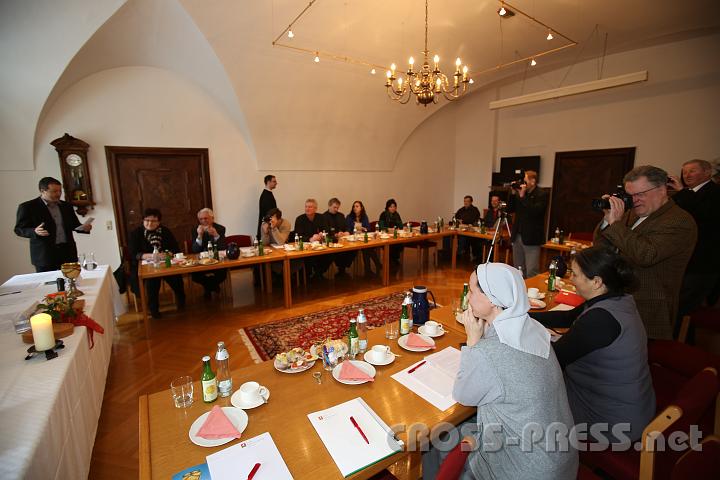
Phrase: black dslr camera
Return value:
(517, 184)
(266, 219)
(600, 204)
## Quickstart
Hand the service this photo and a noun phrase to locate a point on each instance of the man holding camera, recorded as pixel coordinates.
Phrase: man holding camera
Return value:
(657, 237)
(208, 232)
(275, 229)
(529, 204)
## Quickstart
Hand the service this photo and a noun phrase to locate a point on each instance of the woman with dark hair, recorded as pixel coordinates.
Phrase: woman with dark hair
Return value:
(358, 221)
(604, 354)
(389, 219)
(142, 242)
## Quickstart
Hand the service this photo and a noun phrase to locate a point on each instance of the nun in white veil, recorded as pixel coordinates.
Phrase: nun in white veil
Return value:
(510, 373)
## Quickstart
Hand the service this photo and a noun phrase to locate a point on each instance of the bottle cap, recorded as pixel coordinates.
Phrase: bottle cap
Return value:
(206, 358)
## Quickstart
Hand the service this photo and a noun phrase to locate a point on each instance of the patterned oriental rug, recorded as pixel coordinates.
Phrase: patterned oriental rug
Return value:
(267, 340)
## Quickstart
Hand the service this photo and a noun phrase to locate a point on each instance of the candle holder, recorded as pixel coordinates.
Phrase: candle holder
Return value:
(72, 271)
(49, 353)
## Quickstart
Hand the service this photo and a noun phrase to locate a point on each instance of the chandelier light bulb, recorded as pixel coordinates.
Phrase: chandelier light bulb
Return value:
(388, 74)
(438, 82)
(411, 61)
(417, 83)
(392, 67)
(465, 69)
(550, 35)
(290, 34)
(533, 62)
(458, 62)
(400, 82)
(472, 81)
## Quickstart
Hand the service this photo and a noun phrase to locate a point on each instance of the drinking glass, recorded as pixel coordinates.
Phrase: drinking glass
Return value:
(89, 262)
(392, 328)
(182, 391)
(456, 308)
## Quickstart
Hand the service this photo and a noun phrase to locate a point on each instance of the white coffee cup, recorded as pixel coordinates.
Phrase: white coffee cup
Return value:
(180, 255)
(252, 392)
(379, 353)
(533, 292)
(432, 327)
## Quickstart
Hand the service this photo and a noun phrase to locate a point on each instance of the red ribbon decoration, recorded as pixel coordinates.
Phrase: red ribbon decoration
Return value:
(82, 320)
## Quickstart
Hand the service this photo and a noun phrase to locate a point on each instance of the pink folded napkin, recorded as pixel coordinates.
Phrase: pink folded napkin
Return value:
(416, 341)
(217, 425)
(348, 371)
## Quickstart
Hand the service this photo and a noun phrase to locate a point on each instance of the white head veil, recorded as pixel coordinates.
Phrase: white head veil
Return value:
(504, 287)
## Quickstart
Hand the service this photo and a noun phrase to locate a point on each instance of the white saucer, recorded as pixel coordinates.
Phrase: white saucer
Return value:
(237, 417)
(238, 402)
(402, 341)
(440, 332)
(388, 359)
(364, 366)
(537, 304)
(540, 296)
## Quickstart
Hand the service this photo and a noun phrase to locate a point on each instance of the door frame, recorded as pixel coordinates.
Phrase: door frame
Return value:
(114, 156)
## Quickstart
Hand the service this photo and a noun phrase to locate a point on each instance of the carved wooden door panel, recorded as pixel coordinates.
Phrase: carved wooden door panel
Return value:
(579, 177)
(174, 180)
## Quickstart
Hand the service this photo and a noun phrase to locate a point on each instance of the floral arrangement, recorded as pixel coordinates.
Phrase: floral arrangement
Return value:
(63, 309)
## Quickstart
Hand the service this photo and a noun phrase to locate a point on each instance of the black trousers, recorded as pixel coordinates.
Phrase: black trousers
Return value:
(60, 253)
(153, 290)
(210, 280)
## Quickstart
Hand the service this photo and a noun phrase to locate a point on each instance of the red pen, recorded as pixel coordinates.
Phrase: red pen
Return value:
(359, 430)
(416, 366)
(253, 471)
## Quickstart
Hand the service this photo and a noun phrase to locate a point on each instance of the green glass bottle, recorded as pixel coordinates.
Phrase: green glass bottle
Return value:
(464, 297)
(353, 339)
(261, 248)
(300, 245)
(395, 235)
(208, 381)
(365, 239)
(168, 259)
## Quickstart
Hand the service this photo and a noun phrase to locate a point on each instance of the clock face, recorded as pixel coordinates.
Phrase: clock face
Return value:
(74, 160)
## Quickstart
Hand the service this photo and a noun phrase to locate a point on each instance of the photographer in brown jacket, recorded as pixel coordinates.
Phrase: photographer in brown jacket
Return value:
(657, 238)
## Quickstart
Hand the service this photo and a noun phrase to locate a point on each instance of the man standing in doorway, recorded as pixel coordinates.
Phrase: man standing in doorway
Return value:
(529, 204)
(267, 200)
(49, 223)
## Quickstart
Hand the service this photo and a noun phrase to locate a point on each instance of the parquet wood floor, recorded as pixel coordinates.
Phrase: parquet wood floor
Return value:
(180, 339)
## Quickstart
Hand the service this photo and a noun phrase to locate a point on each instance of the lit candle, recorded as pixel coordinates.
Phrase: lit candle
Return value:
(436, 59)
(42, 330)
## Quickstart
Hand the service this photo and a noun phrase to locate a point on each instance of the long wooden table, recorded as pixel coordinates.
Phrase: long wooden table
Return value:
(165, 447)
(563, 248)
(146, 272)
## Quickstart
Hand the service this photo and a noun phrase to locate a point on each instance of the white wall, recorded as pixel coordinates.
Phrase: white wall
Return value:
(671, 118)
(145, 106)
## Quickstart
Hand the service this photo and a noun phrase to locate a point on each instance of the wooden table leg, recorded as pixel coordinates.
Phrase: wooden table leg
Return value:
(386, 265)
(287, 283)
(453, 253)
(268, 276)
(143, 305)
(144, 450)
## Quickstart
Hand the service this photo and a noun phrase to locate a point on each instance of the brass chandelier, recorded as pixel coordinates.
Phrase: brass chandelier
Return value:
(427, 84)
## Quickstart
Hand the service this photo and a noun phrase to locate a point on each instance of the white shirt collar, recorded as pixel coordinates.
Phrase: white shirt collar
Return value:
(698, 187)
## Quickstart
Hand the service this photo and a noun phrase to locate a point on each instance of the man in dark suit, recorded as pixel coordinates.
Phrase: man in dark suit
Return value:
(208, 232)
(49, 223)
(700, 197)
(529, 204)
(267, 200)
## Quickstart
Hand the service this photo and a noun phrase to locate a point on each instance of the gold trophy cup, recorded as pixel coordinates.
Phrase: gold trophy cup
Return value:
(71, 272)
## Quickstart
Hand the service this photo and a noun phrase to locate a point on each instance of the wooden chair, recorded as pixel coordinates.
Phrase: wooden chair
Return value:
(423, 247)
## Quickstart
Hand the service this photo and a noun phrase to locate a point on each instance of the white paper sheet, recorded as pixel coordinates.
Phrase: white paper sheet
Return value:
(345, 443)
(431, 383)
(237, 461)
(561, 307)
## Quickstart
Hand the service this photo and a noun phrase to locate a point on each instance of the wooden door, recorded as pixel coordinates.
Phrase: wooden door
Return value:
(578, 178)
(174, 180)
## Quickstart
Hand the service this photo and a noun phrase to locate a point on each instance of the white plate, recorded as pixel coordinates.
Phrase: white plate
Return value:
(302, 368)
(364, 366)
(537, 304)
(540, 296)
(388, 359)
(402, 341)
(238, 402)
(440, 332)
(237, 417)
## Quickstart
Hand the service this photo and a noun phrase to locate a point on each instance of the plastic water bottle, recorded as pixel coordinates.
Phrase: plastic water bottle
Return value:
(255, 247)
(552, 278)
(297, 241)
(156, 257)
(224, 380)
(362, 331)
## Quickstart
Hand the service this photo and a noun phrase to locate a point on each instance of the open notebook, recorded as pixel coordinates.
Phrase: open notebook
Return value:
(433, 380)
(237, 462)
(344, 440)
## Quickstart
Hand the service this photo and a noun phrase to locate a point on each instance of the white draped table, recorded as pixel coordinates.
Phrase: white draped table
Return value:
(49, 410)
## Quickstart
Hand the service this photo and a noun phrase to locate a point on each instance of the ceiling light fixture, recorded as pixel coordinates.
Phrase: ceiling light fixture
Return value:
(317, 58)
(533, 62)
(290, 34)
(427, 84)
(550, 35)
(504, 12)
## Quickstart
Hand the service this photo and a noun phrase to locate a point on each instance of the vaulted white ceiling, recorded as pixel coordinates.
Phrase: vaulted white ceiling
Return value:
(295, 113)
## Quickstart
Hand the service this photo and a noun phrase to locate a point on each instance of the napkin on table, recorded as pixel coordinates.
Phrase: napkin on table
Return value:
(569, 298)
(416, 341)
(217, 425)
(348, 371)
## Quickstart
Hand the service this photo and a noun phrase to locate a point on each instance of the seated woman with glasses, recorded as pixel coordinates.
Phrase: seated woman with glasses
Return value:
(141, 244)
(604, 354)
(509, 372)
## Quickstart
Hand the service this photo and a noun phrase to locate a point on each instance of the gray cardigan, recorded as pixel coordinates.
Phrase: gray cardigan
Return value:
(515, 392)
